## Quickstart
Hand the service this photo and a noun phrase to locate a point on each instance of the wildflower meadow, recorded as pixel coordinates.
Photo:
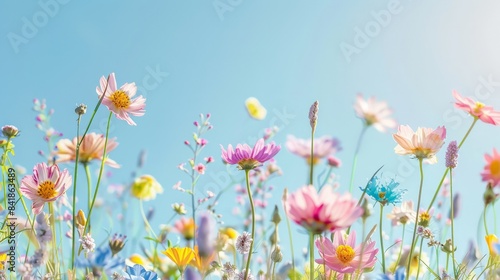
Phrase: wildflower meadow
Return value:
(274, 156)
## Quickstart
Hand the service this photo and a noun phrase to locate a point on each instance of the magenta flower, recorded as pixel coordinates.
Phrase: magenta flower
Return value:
(323, 211)
(323, 147)
(120, 101)
(343, 256)
(248, 158)
(45, 185)
(477, 109)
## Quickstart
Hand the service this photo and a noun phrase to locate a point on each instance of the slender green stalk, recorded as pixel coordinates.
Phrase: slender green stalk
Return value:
(419, 255)
(355, 158)
(55, 258)
(311, 160)
(289, 237)
(452, 217)
(247, 178)
(416, 218)
(400, 249)
(311, 255)
(89, 184)
(100, 174)
(75, 173)
(484, 219)
(447, 170)
(382, 251)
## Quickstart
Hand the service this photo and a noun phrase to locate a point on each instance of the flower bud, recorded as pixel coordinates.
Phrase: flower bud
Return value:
(277, 255)
(81, 109)
(10, 131)
(276, 219)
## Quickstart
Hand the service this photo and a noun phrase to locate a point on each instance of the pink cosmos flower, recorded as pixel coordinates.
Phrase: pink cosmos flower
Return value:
(323, 211)
(45, 185)
(323, 147)
(491, 172)
(120, 101)
(477, 109)
(374, 112)
(343, 256)
(423, 144)
(248, 158)
(91, 149)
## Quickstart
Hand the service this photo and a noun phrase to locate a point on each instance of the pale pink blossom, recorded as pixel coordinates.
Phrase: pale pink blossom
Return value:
(120, 101)
(200, 168)
(423, 144)
(477, 109)
(323, 211)
(403, 214)
(323, 147)
(91, 148)
(373, 112)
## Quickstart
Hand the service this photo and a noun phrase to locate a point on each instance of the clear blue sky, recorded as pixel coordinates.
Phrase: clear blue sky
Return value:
(209, 56)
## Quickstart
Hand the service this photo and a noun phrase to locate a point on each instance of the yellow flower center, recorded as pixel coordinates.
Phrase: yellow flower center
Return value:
(479, 107)
(381, 195)
(46, 190)
(425, 218)
(495, 168)
(344, 253)
(120, 99)
(370, 119)
(248, 164)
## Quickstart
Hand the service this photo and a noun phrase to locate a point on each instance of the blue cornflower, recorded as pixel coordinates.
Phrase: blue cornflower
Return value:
(102, 259)
(137, 272)
(400, 275)
(384, 192)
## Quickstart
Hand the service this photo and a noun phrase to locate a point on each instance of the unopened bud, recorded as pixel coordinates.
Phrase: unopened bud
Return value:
(276, 219)
(313, 115)
(277, 255)
(80, 219)
(117, 243)
(447, 247)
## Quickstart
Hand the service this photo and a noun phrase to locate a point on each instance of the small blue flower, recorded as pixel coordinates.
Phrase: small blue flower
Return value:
(102, 259)
(384, 192)
(137, 272)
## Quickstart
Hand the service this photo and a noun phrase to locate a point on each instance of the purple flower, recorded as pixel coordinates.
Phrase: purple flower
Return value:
(452, 155)
(248, 158)
(205, 237)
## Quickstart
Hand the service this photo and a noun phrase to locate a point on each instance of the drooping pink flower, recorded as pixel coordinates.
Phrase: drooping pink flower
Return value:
(491, 172)
(323, 211)
(119, 100)
(45, 185)
(477, 109)
(92, 148)
(343, 256)
(323, 147)
(374, 112)
(423, 144)
(248, 158)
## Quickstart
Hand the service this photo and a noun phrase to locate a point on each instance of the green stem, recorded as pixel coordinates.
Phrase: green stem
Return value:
(290, 238)
(416, 218)
(311, 255)
(311, 160)
(382, 238)
(446, 171)
(100, 174)
(484, 220)
(247, 178)
(355, 159)
(400, 249)
(419, 255)
(452, 217)
(55, 258)
(89, 184)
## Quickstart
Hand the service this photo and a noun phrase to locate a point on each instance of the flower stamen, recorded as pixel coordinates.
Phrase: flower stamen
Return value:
(47, 190)
(345, 253)
(120, 99)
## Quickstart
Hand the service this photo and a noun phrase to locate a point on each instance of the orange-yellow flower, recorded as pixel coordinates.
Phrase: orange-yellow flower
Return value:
(185, 227)
(491, 239)
(180, 256)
